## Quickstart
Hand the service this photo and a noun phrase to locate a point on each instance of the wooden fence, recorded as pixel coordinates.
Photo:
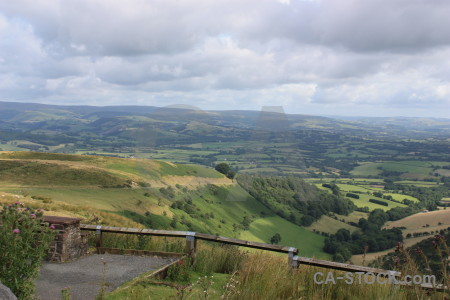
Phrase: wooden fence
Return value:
(293, 259)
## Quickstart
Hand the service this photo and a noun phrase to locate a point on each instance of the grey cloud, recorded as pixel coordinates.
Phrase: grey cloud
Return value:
(228, 54)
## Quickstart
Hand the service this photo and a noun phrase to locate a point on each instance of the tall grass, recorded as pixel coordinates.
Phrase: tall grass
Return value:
(218, 258)
(266, 276)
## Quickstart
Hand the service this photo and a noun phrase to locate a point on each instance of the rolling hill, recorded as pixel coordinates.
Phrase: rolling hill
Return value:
(151, 193)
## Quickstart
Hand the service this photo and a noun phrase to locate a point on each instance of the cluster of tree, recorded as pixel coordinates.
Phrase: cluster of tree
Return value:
(225, 169)
(371, 238)
(168, 191)
(275, 239)
(434, 249)
(187, 206)
(429, 196)
(398, 213)
(293, 199)
(416, 234)
(380, 202)
(351, 195)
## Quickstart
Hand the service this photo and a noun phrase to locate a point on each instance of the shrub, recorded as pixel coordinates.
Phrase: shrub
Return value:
(180, 271)
(24, 242)
(275, 239)
(351, 195)
(380, 202)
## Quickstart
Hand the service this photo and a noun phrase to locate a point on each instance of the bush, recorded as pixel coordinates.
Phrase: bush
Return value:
(24, 242)
(380, 202)
(275, 239)
(351, 195)
(180, 271)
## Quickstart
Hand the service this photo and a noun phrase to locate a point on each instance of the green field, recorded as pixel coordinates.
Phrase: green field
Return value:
(365, 192)
(409, 169)
(400, 197)
(146, 190)
(353, 217)
(367, 169)
(330, 225)
(417, 183)
(308, 243)
(364, 201)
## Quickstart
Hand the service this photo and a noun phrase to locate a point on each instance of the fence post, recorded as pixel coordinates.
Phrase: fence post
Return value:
(191, 244)
(291, 256)
(295, 263)
(98, 241)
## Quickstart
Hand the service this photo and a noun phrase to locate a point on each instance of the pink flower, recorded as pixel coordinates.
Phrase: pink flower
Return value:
(17, 203)
(16, 231)
(33, 216)
(52, 227)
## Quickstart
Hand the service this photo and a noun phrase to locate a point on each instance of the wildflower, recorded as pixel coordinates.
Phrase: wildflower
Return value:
(52, 227)
(396, 260)
(33, 216)
(16, 231)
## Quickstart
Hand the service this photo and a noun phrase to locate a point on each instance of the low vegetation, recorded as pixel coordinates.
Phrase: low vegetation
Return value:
(24, 242)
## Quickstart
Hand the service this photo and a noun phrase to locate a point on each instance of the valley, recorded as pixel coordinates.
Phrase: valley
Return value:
(154, 167)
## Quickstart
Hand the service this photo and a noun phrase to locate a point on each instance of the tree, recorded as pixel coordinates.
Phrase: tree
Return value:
(231, 174)
(246, 222)
(223, 168)
(343, 235)
(275, 239)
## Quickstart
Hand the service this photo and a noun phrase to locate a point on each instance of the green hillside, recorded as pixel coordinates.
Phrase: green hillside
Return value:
(155, 194)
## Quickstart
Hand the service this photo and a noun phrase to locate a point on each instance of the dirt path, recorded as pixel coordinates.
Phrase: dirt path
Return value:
(84, 276)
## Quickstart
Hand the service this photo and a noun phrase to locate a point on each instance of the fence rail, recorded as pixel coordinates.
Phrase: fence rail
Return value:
(293, 259)
(190, 236)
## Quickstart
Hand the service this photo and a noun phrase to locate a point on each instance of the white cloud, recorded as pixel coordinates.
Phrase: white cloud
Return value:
(325, 56)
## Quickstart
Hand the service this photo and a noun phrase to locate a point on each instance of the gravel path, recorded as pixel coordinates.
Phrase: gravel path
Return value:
(84, 276)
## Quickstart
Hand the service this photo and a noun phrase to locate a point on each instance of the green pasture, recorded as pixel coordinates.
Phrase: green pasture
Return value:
(309, 244)
(330, 225)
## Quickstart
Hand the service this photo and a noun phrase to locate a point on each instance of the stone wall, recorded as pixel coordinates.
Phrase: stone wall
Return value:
(5, 293)
(70, 243)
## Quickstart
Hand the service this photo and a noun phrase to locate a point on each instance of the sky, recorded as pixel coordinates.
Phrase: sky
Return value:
(317, 57)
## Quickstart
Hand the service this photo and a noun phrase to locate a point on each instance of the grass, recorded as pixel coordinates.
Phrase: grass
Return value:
(400, 197)
(37, 173)
(219, 209)
(366, 169)
(158, 289)
(186, 170)
(365, 194)
(364, 260)
(330, 225)
(364, 201)
(309, 244)
(409, 169)
(266, 276)
(418, 221)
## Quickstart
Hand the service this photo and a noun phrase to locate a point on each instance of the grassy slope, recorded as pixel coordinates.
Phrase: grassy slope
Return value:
(410, 169)
(416, 223)
(309, 244)
(364, 198)
(330, 225)
(75, 180)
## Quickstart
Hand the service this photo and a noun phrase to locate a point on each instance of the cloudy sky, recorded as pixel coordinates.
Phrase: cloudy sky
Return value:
(327, 57)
